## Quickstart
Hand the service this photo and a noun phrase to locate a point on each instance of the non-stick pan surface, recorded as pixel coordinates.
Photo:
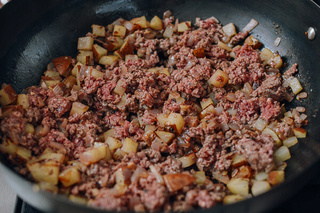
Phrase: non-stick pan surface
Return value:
(34, 32)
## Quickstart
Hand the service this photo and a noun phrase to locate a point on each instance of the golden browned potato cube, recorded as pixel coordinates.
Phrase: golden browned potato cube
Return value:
(260, 124)
(282, 154)
(276, 177)
(23, 100)
(230, 199)
(8, 147)
(238, 160)
(98, 30)
(165, 136)
(253, 42)
(99, 51)
(129, 145)
(85, 43)
(126, 48)
(93, 155)
(122, 102)
(46, 155)
(63, 64)
(29, 128)
(209, 109)
(52, 74)
(78, 107)
(176, 121)
(131, 57)
(113, 143)
(76, 69)
(205, 103)
(177, 98)
(70, 81)
(7, 95)
(141, 21)
(188, 160)
(165, 71)
(177, 181)
(47, 171)
(119, 89)
(23, 153)
(162, 119)
(183, 26)
(108, 133)
(119, 31)
(85, 57)
(239, 186)
(266, 55)
(275, 61)
(114, 44)
(168, 32)
(119, 154)
(6, 110)
(156, 23)
(199, 52)
(300, 132)
(218, 79)
(200, 177)
(270, 132)
(69, 176)
(108, 59)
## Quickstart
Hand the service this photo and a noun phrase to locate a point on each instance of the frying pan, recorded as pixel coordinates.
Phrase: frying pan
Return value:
(34, 32)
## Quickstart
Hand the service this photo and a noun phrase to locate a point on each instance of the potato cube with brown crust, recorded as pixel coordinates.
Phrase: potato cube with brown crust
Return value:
(7, 95)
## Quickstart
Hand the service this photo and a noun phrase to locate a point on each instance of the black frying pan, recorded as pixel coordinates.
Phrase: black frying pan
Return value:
(34, 32)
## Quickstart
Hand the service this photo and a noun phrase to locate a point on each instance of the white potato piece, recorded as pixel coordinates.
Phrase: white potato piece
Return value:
(47, 171)
(204, 103)
(188, 160)
(274, 135)
(85, 57)
(260, 124)
(129, 145)
(259, 187)
(85, 43)
(300, 132)
(239, 186)
(7, 95)
(200, 177)
(276, 177)
(119, 31)
(97, 74)
(99, 51)
(140, 21)
(108, 59)
(78, 107)
(266, 55)
(229, 29)
(113, 143)
(98, 30)
(290, 141)
(23, 100)
(93, 155)
(230, 199)
(119, 89)
(165, 136)
(238, 160)
(156, 23)
(183, 26)
(261, 176)
(176, 121)
(218, 79)
(282, 154)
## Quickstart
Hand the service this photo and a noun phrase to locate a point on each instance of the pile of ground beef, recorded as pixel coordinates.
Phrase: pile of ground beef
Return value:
(154, 177)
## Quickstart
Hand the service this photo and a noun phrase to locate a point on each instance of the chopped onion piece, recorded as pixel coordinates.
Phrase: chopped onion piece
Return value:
(277, 41)
(250, 26)
(156, 174)
(282, 154)
(290, 141)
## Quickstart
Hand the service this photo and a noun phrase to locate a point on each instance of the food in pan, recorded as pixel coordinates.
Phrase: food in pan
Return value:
(158, 115)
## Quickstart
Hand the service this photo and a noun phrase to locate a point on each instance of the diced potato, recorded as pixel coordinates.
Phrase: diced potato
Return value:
(29, 128)
(300, 132)
(238, 160)
(209, 109)
(23, 153)
(276, 177)
(270, 132)
(221, 176)
(8, 147)
(168, 32)
(229, 29)
(52, 74)
(243, 172)
(121, 105)
(230, 199)
(141, 21)
(295, 85)
(166, 137)
(45, 186)
(98, 51)
(119, 31)
(275, 61)
(98, 30)
(119, 89)
(200, 177)
(78, 199)
(97, 74)
(85, 57)
(177, 181)
(78, 107)
(108, 133)
(290, 141)
(259, 187)
(70, 81)
(188, 160)
(224, 46)
(108, 59)
(129, 145)
(69, 176)
(47, 171)
(113, 143)
(76, 69)
(253, 42)
(7, 95)
(176, 121)
(85, 43)
(266, 55)
(260, 124)
(114, 44)
(131, 57)
(162, 119)
(199, 53)
(205, 103)
(63, 64)
(239, 186)
(156, 23)
(93, 155)
(119, 154)
(176, 96)
(261, 176)
(282, 154)
(50, 83)
(126, 48)
(183, 26)
(218, 79)
(165, 71)
(58, 157)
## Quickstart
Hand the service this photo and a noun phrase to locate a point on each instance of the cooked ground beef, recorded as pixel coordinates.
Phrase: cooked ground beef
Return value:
(161, 128)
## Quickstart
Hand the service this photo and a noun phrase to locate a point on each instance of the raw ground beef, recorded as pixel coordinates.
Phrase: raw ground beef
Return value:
(157, 101)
